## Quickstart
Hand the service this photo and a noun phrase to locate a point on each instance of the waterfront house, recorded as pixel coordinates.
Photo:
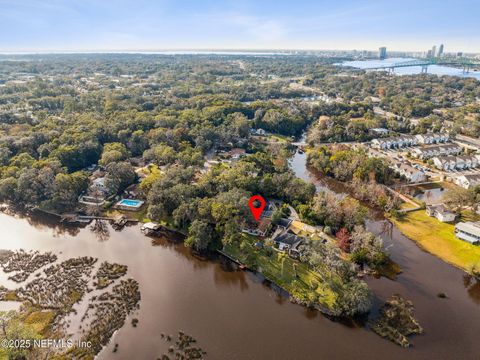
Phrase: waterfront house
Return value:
(260, 229)
(287, 242)
(468, 231)
(98, 185)
(283, 223)
(467, 181)
(441, 213)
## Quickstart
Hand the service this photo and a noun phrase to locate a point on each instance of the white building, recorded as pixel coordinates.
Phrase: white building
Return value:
(450, 163)
(380, 131)
(467, 181)
(432, 138)
(99, 185)
(441, 213)
(258, 132)
(428, 152)
(394, 142)
(409, 172)
(468, 231)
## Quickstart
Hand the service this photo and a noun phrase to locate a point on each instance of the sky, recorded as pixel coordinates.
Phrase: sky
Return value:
(149, 25)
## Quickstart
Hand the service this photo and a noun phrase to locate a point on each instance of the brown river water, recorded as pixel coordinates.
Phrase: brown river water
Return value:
(234, 315)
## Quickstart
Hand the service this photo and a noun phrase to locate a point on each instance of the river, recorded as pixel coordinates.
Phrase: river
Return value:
(432, 69)
(234, 315)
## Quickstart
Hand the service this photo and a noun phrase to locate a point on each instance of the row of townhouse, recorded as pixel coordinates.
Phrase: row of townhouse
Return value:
(467, 181)
(395, 142)
(433, 138)
(428, 152)
(410, 140)
(412, 174)
(450, 163)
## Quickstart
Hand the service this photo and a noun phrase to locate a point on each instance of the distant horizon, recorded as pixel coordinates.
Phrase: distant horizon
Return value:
(210, 50)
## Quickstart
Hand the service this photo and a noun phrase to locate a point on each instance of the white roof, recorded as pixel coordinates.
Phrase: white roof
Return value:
(469, 227)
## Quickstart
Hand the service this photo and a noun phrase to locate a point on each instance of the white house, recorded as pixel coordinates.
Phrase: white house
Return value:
(450, 163)
(445, 163)
(258, 132)
(432, 138)
(380, 131)
(467, 181)
(441, 213)
(409, 172)
(428, 152)
(394, 142)
(468, 231)
(98, 184)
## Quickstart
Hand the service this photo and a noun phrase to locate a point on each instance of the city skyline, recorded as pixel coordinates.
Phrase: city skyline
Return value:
(55, 25)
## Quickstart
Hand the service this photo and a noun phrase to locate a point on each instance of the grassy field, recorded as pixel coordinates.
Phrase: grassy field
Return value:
(406, 205)
(439, 239)
(291, 275)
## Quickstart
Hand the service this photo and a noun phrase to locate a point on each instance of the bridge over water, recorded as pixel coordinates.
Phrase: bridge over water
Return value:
(465, 64)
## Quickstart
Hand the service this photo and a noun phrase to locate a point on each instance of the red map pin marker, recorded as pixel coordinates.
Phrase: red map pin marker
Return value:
(257, 211)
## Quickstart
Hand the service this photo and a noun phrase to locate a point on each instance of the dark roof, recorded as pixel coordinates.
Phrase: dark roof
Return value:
(284, 222)
(288, 239)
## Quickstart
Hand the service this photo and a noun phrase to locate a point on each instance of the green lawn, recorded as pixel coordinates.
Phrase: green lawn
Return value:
(406, 205)
(301, 282)
(439, 239)
(279, 138)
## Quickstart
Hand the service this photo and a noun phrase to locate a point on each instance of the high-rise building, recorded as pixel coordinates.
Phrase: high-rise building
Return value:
(440, 50)
(434, 51)
(382, 53)
(429, 54)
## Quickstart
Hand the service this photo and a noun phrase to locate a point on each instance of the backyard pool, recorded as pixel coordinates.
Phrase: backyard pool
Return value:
(129, 204)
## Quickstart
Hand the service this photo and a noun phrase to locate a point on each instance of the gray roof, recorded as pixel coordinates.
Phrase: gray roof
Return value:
(288, 239)
(469, 227)
(441, 209)
(284, 222)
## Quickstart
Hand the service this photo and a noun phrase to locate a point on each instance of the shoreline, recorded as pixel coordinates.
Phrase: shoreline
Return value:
(433, 248)
(168, 232)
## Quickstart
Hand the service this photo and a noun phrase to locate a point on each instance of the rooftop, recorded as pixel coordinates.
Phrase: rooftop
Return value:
(288, 239)
(469, 227)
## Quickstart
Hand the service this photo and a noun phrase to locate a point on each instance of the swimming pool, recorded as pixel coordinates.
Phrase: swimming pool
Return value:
(129, 204)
